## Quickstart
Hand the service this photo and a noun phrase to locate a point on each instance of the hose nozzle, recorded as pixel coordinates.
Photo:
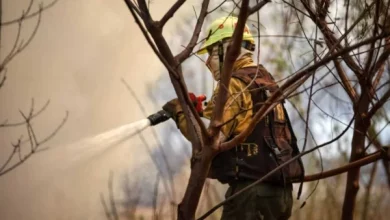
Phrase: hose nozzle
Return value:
(159, 117)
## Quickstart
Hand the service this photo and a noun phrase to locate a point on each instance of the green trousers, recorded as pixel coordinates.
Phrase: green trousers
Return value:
(261, 202)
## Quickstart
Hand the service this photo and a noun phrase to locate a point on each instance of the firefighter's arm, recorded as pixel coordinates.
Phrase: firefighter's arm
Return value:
(237, 112)
(174, 108)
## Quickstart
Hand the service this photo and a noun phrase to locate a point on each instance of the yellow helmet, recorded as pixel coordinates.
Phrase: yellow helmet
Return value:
(223, 28)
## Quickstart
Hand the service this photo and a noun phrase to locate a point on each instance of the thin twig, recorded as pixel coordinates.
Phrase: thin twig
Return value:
(195, 35)
(379, 104)
(231, 56)
(35, 144)
(20, 47)
(171, 12)
(105, 207)
(196, 127)
(164, 154)
(258, 6)
(14, 124)
(111, 196)
(155, 197)
(28, 16)
(300, 76)
(352, 165)
(218, 6)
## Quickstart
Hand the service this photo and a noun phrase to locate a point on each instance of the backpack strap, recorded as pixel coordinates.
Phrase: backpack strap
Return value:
(295, 147)
(258, 75)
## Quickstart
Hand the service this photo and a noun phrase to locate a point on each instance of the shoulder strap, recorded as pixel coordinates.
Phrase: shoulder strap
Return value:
(293, 137)
(295, 147)
(258, 75)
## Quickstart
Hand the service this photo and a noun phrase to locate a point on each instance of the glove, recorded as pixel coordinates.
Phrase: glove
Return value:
(173, 107)
(197, 101)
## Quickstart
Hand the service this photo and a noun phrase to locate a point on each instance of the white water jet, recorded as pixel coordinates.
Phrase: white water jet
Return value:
(105, 142)
(88, 149)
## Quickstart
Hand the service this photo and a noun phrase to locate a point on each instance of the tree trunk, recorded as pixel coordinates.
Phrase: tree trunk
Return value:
(366, 203)
(199, 171)
(357, 152)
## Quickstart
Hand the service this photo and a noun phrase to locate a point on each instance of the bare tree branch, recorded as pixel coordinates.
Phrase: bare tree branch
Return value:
(379, 104)
(164, 154)
(375, 31)
(358, 163)
(198, 27)
(112, 213)
(1, 21)
(383, 57)
(27, 15)
(196, 128)
(368, 191)
(230, 58)
(2, 81)
(171, 12)
(20, 47)
(331, 39)
(217, 7)
(343, 76)
(258, 6)
(105, 207)
(132, 8)
(272, 101)
(34, 143)
(111, 196)
(155, 197)
(16, 157)
(33, 115)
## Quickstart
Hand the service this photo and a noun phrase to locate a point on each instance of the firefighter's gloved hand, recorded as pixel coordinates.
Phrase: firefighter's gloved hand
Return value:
(197, 101)
(173, 107)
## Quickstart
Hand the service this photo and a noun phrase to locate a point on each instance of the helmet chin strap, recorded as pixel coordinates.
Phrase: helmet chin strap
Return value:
(220, 56)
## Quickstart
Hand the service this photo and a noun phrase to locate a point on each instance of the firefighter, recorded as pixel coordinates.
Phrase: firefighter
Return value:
(271, 143)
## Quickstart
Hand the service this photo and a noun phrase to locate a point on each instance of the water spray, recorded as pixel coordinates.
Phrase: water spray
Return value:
(90, 148)
(103, 143)
(63, 160)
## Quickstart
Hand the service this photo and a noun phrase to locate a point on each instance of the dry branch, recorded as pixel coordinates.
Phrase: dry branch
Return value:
(231, 56)
(18, 46)
(171, 12)
(370, 55)
(28, 15)
(198, 27)
(164, 154)
(345, 82)
(358, 163)
(258, 6)
(279, 94)
(330, 38)
(112, 212)
(174, 69)
(35, 144)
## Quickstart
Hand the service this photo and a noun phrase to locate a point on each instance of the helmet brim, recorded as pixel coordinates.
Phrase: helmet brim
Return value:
(201, 51)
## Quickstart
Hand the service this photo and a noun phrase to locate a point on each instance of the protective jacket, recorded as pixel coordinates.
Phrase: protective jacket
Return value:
(271, 143)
